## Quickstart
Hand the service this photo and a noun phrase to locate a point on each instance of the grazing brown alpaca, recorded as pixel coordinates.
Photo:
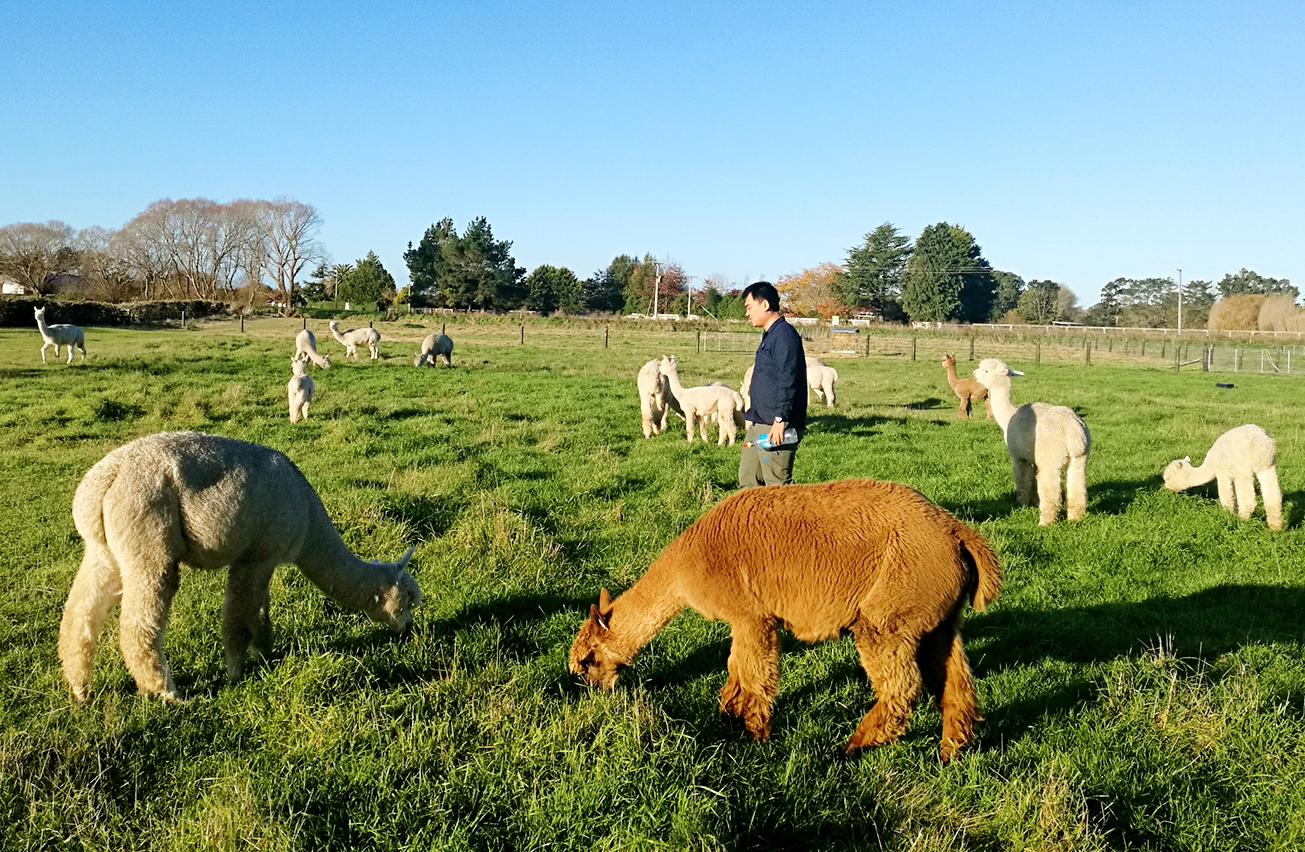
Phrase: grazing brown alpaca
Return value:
(967, 389)
(875, 558)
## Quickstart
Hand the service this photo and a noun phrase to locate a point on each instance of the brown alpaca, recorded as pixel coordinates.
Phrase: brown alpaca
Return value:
(875, 558)
(967, 389)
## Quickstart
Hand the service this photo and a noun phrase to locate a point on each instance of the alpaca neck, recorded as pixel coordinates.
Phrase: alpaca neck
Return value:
(1194, 475)
(1002, 409)
(645, 608)
(673, 376)
(331, 566)
(42, 326)
(952, 378)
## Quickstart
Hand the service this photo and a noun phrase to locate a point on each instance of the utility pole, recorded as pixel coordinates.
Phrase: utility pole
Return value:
(1180, 297)
(657, 286)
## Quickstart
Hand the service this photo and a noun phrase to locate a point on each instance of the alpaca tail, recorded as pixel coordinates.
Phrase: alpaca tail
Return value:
(88, 500)
(987, 583)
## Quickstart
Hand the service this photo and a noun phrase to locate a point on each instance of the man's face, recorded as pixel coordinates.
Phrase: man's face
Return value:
(755, 310)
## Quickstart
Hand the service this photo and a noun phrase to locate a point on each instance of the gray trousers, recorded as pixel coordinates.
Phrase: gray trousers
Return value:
(764, 467)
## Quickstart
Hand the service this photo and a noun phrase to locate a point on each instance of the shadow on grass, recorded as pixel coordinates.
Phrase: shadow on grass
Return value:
(1204, 626)
(1113, 497)
(841, 424)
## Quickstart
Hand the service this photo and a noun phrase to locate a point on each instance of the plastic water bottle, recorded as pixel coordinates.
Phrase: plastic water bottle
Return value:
(790, 438)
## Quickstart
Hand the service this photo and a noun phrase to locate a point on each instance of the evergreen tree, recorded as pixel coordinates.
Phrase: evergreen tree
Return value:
(947, 277)
(368, 282)
(605, 289)
(872, 273)
(549, 289)
(473, 270)
(1248, 281)
(1009, 288)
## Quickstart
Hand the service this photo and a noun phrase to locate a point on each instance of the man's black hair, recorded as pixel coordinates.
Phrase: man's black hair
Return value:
(763, 291)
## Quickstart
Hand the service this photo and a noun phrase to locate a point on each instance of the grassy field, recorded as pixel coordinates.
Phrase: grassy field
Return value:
(1142, 676)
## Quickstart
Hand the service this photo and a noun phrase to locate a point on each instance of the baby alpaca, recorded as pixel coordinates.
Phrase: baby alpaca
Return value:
(209, 502)
(300, 390)
(59, 334)
(967, 389)
(1238, 457)
(355, 337)
(1041, 439)
(701, 404)
(820, 379)
(435, 346)
(306, 346)
(875, 558)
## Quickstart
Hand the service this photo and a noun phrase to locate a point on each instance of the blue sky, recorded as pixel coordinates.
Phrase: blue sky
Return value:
(1077, 141)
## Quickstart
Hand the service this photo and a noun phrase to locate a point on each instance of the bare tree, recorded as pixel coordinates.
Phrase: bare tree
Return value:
(32, 253)
(290, 243)
(106, 272)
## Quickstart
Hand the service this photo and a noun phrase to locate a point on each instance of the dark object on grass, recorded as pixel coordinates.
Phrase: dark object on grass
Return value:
(1223, 384)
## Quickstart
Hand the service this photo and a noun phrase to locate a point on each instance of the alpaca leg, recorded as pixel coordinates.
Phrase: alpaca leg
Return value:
(690, 422)
(987, 406)
(246, 624)
(647, 417)
(448, 360)
(303, 411)
(70, 353)
(832, 397)
(753, 675)
(888, 658)
(1025, 483)
(1226, 498)
(947, 676)
(1048, 494)
(147, 591)
(44, 347)
(82, 347)
(1076, 488)
(1244, 488)
(964, 410)
(95, 590)
(294, 411)
(1272, 497)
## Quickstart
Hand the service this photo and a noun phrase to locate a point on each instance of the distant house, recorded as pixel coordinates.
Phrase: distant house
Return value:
(10, 287)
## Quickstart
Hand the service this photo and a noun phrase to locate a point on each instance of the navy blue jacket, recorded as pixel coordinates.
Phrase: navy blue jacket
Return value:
(779, 378)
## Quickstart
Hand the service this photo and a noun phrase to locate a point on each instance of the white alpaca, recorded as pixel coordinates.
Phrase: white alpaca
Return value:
(57, 335)
(1041, 439)
(820, 379)
(703, 404)
(655, 399)
(435, 346)
(306, 345)
(355, 337)
(745, 390)
(209, 502)
(299, 390)
(1238, 457)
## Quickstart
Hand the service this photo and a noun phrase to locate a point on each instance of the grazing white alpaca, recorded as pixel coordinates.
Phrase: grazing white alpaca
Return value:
(355, 337)
(1238, 457)
(306, 345)
(820, 379)
(435, 346)
(59, 335)
(703, 404)
(299, 390)
(1041, 439)
(209, 502)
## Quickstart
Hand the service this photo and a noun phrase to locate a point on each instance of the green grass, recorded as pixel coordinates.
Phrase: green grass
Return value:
(1142, 675)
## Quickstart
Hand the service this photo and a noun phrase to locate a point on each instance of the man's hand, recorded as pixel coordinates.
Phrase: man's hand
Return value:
(777, 433)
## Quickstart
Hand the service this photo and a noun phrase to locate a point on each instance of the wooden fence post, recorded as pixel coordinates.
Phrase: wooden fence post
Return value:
(305, 320)
(699, 343)
(971, 347)
(912, 348)
(242, 323)
(1037, 353)
(867, 346)
(1087, 354)
(523, 334)
(605, 337)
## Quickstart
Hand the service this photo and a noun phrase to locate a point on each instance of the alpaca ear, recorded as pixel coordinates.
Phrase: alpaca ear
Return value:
(1013, 372)
(597, 617)
(403, 560)
(1187, 459)
(604, 601)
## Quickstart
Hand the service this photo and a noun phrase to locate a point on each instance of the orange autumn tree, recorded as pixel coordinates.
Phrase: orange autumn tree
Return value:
(810, 292)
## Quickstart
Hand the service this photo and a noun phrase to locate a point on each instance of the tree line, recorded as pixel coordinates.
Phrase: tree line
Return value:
(195, 248)
(244, 250)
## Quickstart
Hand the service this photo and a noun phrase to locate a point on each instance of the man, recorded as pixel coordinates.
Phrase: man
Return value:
(779, 391)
